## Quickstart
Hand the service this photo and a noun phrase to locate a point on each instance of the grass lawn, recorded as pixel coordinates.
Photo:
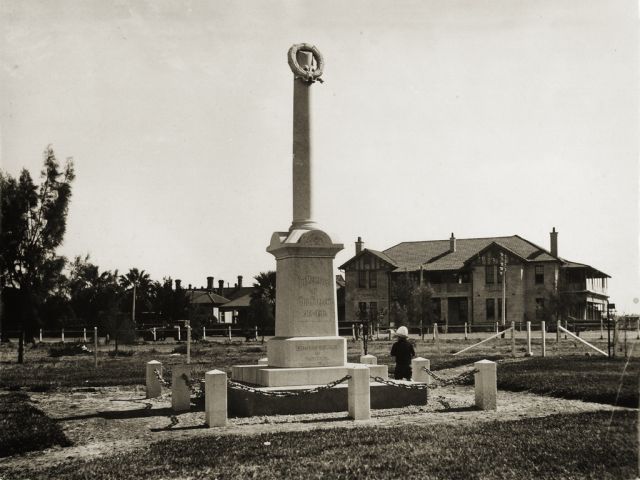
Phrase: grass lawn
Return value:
(24, 428)
(561, 446)
(594, 379)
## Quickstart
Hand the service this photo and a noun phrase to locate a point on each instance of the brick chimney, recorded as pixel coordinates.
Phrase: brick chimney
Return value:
(554, 242)
(189, 286)
(178, 284)
(452, 243)
(239, 281)
(209, 283)
(359, 245)
(220, 287)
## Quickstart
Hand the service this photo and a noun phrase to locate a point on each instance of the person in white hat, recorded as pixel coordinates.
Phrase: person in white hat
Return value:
(403, 350)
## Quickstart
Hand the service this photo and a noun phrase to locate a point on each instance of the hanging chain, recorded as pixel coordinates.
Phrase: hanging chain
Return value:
(408, 386)
(461, 379)
(287, 393)
(160, 379)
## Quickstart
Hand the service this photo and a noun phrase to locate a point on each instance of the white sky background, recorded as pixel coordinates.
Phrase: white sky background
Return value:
(478, 117)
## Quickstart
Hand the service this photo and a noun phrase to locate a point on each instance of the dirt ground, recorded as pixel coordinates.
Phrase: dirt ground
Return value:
(103, 421)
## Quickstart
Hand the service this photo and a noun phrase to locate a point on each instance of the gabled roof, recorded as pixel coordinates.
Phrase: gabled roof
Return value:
(434, 255)
(241, 301)
(381, 255)
(205, 297)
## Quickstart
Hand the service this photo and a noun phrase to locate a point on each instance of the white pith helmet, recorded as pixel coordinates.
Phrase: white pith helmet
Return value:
(402, 332)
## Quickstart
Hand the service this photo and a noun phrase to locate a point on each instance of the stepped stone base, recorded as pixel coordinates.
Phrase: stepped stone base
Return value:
(268, 376)
(248, 404)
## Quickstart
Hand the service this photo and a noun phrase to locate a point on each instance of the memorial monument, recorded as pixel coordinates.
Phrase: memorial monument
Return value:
(306, 349)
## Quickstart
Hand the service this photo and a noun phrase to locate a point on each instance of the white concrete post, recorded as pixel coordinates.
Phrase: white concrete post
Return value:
(436, 335)
(513, 338)
(188, 343)
(486, 385)
(558, 332)
(95, 345)
(417, 372)
(62, 335)
(529, 339)
(359, 394)
(368, 359)
(543, 332)
(154, 387)
(40, 335)
(180, 391)
(466, 337)
(154, 334)
(263, 361)
(353, 332)
(215, 398)
(179, 336)
(229, 332)
(84, 335)
(255, 333)
(204, 333)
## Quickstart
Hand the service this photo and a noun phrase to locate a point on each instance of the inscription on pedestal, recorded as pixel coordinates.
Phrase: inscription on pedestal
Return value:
(317, 353)
(310, 283)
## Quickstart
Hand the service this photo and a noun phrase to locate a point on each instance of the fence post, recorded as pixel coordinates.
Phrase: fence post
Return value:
(95, 345)
(180, 391)
(543, 332)
(436, 336)
(154, 387)
(359, 395)
(62, 335)
(566, 325)
(638, 329)
(229, 332)
(353, 332)
(497, 327)
(84, 335)
(486, 387)
(418, 374)
(255, 332)
(465, 331)
(602, 330)
(188, 343)
(528, 354)
(513, 338)
(40, 335)
(204, 333)
(154, 334)
(368, 359)
(558, 332)
(215, 398)
(179, 336)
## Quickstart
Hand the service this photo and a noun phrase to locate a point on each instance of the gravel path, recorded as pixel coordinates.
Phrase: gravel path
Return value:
(117, 419)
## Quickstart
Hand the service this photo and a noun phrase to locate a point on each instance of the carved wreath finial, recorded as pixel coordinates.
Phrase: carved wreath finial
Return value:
(307, 73)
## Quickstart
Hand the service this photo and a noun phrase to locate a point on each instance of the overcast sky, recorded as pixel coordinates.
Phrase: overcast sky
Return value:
(478, 117)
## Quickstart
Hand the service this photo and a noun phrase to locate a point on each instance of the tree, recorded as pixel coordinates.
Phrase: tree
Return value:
(263, 301)
(139, 285)
(33, 225)
(421, 306)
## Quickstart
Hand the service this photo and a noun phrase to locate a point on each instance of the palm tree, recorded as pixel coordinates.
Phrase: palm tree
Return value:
(139, 282)
(263, 300)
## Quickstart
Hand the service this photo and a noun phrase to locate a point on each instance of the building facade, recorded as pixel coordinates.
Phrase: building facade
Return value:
(469, 278)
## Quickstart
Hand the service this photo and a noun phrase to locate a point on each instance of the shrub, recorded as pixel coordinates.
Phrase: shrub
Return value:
(68, 349)
(121, 353)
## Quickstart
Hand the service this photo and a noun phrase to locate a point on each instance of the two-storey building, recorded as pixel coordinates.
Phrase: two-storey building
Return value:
(468, 283)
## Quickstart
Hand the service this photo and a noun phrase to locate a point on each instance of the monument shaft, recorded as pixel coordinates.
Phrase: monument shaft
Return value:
(302, 149)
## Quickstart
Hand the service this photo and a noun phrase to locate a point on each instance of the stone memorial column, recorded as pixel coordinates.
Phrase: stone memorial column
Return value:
(306, 312)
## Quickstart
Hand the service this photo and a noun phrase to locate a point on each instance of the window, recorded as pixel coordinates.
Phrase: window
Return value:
(362, 279)
(362, 307)
(373, 279)
(489, 276)
(491, 309)
(539, 274)
(499, 274)
(373, 311)
(540, 308)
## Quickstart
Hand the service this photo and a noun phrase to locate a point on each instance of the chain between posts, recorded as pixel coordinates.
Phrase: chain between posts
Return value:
(160, 379)
(408, 386)
(461, 379)
(287, 393)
